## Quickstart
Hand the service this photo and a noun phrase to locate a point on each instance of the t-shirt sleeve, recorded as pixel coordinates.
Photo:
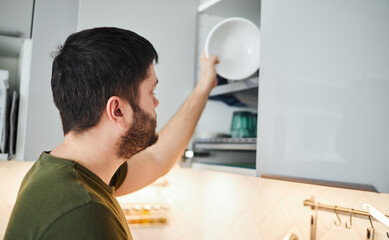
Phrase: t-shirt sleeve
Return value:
(90, 221)
(119, 176)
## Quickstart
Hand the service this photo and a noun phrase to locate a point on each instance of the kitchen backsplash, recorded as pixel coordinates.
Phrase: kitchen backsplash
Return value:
(213, 205)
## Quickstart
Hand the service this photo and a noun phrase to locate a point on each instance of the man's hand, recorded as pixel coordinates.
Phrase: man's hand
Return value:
(208, 78)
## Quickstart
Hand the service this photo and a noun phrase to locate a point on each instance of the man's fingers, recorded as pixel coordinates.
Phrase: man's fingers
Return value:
(214, 59)
(203, 55)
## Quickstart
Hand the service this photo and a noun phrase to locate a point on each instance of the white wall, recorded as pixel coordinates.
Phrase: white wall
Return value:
(169, 26)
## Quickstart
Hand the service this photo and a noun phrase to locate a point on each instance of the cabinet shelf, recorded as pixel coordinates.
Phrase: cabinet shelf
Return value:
(234, 87)
(232, 8)
(205, 6)
(235, 155)
(243, 144)
(10, 46)
(224, 153)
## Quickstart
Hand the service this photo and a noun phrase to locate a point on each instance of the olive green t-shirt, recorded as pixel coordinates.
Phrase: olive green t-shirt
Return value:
(60, 199)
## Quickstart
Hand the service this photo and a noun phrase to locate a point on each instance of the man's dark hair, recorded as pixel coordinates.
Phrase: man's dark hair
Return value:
(93, 65)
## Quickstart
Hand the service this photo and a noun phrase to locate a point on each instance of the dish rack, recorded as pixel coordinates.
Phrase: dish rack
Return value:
(244, 144)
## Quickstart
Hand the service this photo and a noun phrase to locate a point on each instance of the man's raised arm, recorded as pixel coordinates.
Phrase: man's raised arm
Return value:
(155, 161)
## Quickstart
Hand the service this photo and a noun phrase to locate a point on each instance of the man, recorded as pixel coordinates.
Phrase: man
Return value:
(102, 82)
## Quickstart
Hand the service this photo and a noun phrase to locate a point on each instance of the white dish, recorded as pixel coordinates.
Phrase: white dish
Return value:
(236, 43)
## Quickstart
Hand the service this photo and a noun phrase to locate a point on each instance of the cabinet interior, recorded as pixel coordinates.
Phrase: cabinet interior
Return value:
(217, 115)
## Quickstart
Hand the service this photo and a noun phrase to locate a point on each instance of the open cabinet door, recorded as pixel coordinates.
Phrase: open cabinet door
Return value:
(170, 26)
(324, 91)
(39, 125)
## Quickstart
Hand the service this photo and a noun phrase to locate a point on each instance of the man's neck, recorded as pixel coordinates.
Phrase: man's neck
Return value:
(91, 150)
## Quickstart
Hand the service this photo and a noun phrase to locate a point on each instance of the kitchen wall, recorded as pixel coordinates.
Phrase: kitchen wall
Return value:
(213, 205)
(169, 26)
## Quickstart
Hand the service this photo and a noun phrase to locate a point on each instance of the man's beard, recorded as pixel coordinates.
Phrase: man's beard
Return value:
(139, 136)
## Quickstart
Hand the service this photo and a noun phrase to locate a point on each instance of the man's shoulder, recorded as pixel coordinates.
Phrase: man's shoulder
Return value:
(49, 192)
(52, 183)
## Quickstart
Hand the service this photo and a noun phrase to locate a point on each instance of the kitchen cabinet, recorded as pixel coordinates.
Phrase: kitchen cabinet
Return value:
(249, 9)
(15, 48)
(225, 153)
(14, 63)
(321, 90)
(169, 26)
(218, 150)
(27, 56)
(16, 18)
(324, 92)
(39, 127)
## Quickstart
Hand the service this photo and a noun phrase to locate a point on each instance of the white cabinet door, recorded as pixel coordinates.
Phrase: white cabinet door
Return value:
(324, 90)
(16, 17)
(170, 26)
(39, 125)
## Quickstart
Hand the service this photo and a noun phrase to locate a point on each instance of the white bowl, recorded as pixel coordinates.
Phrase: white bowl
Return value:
(236, 43)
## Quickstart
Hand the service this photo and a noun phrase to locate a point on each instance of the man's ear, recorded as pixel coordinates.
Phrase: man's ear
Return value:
(119, 111)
